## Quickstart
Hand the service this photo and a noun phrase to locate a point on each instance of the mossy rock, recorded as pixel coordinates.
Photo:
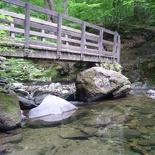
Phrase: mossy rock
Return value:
(9, 111)
(96, 83)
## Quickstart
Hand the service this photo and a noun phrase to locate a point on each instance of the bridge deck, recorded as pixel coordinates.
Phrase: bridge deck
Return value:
(35, 38)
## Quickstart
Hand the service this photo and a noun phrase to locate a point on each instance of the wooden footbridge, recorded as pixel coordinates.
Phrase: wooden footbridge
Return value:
(68, 39)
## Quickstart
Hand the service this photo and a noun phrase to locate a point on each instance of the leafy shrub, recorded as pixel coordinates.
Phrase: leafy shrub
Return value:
(20, 70)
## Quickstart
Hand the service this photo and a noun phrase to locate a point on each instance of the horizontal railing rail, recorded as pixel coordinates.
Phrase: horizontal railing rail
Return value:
(34, 33)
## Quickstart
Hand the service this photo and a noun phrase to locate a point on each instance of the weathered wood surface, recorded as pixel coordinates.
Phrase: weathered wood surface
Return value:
(50, 40)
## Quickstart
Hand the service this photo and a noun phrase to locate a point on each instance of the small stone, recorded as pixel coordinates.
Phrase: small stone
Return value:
(72, 134)
(145, 137)
(131, 126)
(2, 149)
(147, 122)
(142, 130)
(152, 140)
(151, 130)
(147, 148)
(130, 133)
(128, 118)
(144, 142)
(89, 131)
(146, 110)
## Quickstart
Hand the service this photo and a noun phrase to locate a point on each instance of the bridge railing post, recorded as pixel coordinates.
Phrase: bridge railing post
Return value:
(100, 44)
(27, 27)
(118, 49)
(59, 32)
(115, 45)
(83, 39)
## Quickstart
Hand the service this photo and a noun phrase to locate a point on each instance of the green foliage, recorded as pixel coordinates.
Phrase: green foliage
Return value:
(116, 66)
(103, 12)
(3, 27)
(25, 71)
(114, 12)
(4, 34)
(148, 68)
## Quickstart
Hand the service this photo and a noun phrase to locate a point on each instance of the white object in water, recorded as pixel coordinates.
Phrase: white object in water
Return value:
(151, 93)
(51, 105)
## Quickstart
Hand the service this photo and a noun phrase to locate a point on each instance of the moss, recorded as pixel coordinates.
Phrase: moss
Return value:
(8, 102)
(148, 68)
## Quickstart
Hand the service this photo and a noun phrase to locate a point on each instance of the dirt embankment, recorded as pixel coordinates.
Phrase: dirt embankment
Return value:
(138, 54)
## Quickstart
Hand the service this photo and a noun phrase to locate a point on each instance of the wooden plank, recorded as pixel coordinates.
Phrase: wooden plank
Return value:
(32, 33)
(43, 27)
(21, 44)
(108, 31)
(15, 2)
(18, 22)
(91, 51)
(69, 47)
(70, 51)
(70, 33)
(74, 20)
(107, 53)
(39, 34)
(43, 10)
(42, 48)
(27, 26)
(108, 42)
(12, 14)
(91, 44)
(92, 38)
(70, 40)
(39, 43)
(15, 30)
(92, 26)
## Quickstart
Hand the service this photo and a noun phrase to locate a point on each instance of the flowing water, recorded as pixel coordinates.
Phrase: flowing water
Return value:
(124, 126)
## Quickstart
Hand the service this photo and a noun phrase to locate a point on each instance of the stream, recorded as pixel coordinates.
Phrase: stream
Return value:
(123, 126)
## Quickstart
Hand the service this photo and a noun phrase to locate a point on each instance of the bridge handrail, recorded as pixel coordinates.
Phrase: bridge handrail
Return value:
(59, 29)
(36, 20)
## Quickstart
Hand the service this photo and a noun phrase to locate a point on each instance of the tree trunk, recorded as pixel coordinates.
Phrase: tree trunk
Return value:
(47, 7)
(49, 4)
(135, 9)
(65, 4)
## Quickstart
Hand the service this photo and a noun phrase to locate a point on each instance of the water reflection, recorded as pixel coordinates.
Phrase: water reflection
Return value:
(124, 126)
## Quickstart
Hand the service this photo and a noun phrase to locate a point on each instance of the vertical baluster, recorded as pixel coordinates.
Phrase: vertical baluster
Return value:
(12, 34)
(66, 36)
(42, 38)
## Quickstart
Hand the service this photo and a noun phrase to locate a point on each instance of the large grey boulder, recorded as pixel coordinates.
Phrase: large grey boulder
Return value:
(96, 83)
(51, 105)
(10, 115)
